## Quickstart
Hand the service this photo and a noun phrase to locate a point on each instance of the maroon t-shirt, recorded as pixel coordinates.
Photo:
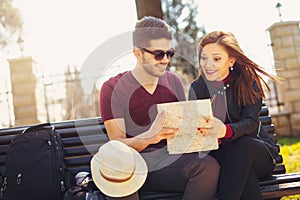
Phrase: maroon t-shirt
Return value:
(122, 96)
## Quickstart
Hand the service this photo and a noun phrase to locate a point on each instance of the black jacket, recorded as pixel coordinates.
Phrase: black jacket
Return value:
(244, 120)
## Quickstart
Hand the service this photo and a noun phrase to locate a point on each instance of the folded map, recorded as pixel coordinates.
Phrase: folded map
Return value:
(188, 116)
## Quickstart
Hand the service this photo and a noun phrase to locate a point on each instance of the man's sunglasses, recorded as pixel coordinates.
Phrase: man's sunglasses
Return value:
(160, 54)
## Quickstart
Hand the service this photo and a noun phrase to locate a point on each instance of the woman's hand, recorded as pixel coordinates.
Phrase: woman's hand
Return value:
(213, 127)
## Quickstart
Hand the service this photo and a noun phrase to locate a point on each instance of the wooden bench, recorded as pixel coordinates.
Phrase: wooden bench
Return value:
(82, 138)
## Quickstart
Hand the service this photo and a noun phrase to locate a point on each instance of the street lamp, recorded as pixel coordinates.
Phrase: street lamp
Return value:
(278, 5)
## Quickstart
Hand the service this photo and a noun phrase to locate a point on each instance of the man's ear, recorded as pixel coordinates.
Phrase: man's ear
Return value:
(137, 52)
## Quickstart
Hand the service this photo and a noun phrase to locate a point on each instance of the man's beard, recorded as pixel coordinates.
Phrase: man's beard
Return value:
(150, 68)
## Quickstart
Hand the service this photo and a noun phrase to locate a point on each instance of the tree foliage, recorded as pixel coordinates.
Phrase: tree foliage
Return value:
(10, 24)
(181, 15)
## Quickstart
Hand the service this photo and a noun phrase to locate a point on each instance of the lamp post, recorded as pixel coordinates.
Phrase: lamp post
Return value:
(278, 5)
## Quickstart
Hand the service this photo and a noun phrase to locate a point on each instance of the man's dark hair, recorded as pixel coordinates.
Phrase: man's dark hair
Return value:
(150, 28)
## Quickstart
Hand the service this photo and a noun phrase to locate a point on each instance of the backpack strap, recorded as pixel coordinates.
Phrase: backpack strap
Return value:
(37, 127)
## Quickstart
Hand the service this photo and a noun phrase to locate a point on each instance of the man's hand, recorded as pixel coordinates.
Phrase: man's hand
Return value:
(157, 132)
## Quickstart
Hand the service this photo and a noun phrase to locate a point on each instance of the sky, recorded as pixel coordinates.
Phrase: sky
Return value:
(58, 33)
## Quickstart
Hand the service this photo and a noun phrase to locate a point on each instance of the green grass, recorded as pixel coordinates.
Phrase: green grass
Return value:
(290, 151)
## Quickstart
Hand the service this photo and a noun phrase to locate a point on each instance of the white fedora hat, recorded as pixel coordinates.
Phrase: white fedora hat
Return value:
(118, 170)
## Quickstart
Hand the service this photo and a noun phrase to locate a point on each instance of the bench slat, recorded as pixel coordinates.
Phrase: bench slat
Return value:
(279, 169)
(265, 120)
(78, 160)
(280, 178)
(91, 139)
(279, 190)
(264, 111)
(81, 150)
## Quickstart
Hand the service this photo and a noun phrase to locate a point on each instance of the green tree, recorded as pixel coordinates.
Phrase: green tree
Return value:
(10, 24)
(181, 15)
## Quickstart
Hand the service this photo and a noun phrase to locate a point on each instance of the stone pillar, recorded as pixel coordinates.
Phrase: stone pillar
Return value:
(27, 91)
(285, 37)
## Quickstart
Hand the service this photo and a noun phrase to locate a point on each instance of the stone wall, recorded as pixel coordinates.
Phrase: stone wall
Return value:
(27, 91)
(285, 37)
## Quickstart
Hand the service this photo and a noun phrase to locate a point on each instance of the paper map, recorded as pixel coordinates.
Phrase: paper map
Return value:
(188, 116)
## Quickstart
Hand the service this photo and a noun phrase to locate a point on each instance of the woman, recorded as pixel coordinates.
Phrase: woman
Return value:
(231, 80)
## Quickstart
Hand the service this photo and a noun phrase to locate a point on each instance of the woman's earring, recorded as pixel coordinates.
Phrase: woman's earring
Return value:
(231, 68)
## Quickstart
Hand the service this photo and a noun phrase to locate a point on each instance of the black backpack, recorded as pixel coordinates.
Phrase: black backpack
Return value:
(34, 166)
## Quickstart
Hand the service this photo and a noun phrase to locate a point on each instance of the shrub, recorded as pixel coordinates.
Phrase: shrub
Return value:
(290, 151)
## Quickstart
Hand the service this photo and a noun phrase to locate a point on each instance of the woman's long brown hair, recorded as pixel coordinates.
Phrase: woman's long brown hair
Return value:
(245, 71)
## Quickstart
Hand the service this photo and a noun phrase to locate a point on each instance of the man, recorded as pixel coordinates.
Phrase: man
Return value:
(128, 108)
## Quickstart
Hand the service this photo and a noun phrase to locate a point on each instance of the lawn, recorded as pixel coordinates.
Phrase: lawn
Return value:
(290, 150)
